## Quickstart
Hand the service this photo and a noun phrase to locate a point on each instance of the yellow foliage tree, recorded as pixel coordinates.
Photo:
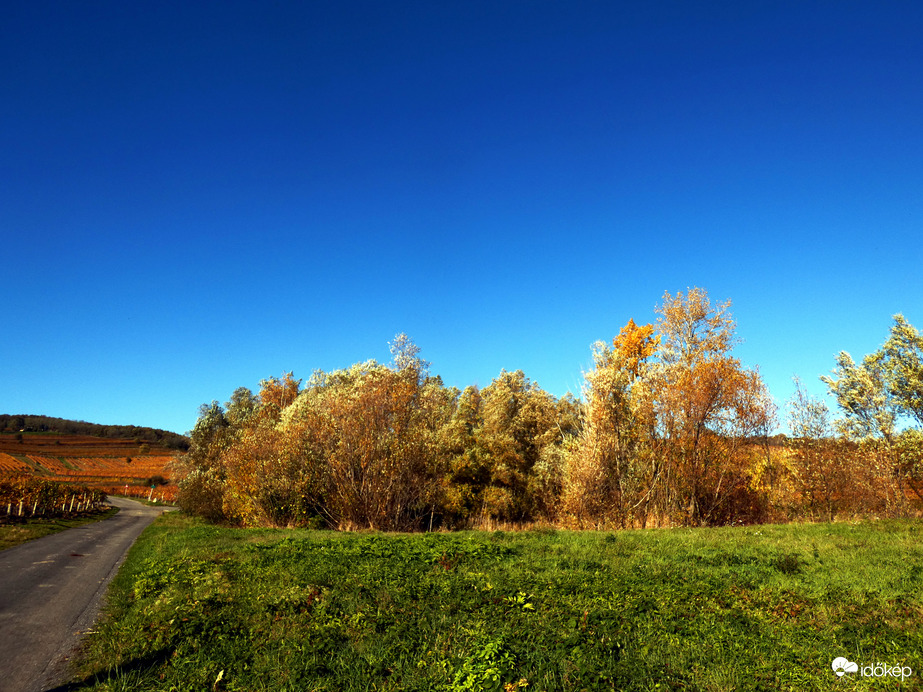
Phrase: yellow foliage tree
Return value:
(707, 410)
(608, 477)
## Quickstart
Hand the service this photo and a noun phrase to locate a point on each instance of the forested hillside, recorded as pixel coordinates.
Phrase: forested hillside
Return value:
(32, 423)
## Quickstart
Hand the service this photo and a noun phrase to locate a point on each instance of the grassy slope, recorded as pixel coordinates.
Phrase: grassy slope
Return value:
(760, 608)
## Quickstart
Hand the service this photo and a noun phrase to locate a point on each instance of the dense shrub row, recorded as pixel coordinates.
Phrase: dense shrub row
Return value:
(672, 429)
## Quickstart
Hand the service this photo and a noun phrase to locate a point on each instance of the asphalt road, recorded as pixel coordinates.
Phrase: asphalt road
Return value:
(51, 591)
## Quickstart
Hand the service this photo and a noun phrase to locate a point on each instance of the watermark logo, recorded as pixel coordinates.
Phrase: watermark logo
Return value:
(842, 665)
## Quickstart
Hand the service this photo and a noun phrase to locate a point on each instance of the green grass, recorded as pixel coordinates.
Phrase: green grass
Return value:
(32, 528)
(198, 607)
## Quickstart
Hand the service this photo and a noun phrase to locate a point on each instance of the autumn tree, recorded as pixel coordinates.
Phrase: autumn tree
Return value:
(819, 461)
(201, 470)
(233, 470)
(875, 395)
(909, 459)
(902, 361)
(706, 410)
(548, 479)
(860, 390)
(242, 404)
(263, 481)
(369, 441)
(903, 357)
(506, 445)
(518, 425)
(608, 474)
(276, 393)
(468, 474)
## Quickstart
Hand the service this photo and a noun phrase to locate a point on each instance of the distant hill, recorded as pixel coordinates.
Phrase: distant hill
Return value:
(47, 424)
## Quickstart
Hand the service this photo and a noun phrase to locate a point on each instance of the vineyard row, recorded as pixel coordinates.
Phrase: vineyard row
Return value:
(23, 495)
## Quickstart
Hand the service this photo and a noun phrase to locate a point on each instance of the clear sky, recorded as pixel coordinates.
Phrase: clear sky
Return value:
(195, 196)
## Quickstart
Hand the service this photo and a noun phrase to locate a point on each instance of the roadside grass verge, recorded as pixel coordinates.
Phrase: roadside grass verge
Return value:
(197, 607)
(37, 527)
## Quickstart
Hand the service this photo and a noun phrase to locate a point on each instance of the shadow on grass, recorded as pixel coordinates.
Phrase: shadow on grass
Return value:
(136, 665)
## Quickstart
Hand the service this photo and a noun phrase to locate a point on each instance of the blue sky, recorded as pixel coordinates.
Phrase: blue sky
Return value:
(197, 196)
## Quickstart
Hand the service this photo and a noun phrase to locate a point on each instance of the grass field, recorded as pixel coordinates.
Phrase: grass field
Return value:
(197, 607)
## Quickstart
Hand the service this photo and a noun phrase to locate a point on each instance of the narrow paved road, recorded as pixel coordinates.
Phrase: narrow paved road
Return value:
(51, 591)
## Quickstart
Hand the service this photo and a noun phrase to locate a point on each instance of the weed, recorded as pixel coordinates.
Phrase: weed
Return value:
(484, 669)
(789, 563)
